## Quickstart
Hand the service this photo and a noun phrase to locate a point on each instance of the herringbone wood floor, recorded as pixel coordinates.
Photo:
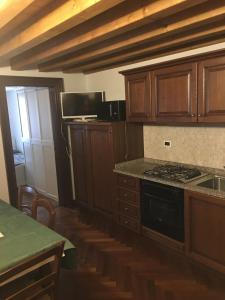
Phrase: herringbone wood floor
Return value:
(110, 266)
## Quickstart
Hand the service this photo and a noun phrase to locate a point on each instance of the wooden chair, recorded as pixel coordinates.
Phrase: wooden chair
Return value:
(41, 202)
(25, 191)
(28, 281)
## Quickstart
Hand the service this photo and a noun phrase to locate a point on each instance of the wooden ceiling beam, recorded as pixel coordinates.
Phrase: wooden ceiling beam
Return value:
(150, 12)
(69, 14)
(165, 52)
(151, 33)
(15, 14)
(10, 9)
(174, 41)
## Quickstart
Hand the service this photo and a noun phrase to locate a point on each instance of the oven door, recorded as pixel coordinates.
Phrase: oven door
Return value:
(163, 215)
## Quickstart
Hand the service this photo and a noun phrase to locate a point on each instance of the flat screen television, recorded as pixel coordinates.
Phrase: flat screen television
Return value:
(81, 106)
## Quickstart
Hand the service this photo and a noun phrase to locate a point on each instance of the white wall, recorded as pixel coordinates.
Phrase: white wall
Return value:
(71, 82)
(199, 146)
(110, 81)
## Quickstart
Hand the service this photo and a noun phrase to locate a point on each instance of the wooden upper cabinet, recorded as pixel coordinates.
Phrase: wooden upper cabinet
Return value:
(138, 97)
(190, 91)
(211, 90)
(205, 229)
(174, 93)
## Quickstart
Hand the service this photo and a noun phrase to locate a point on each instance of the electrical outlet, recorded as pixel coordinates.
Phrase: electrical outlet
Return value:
(167, 144)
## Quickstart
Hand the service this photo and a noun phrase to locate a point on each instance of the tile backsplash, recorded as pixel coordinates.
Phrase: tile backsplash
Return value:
(203, 146)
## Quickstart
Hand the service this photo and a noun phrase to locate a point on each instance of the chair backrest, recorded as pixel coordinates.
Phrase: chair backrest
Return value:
(47, 205)
(34, 277)
(23, 192)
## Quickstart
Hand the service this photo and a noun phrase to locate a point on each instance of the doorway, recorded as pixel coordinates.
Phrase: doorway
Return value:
(62, 165)
(32, 138)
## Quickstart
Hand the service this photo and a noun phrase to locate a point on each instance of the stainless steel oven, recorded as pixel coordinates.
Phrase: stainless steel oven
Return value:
(162, 209)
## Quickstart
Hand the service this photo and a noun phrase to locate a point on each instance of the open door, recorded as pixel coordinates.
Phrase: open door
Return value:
(54, 86)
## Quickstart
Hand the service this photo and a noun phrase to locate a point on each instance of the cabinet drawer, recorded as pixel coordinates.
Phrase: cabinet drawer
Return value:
(116, 218)
(129, 210)
(128, 196)
(128, 182)
(115, 205)
(129, 223)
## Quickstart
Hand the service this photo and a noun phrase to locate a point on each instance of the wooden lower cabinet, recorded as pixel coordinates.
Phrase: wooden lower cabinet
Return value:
(78, 144)
(96, 148)
(127, 202)
(205, 229)
(101, 162)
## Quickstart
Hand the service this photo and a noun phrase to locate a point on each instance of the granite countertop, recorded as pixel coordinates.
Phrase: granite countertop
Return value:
(137, 167)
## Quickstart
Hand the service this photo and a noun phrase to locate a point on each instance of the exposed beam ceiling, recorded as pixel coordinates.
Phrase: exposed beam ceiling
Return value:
(14, 15)
(10, 9)
(66, 16)
(163, 45)
(149, 33)
(92, 35)
(118, 22)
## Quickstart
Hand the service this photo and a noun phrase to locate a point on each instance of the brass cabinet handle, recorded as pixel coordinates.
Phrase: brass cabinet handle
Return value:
(199, 115)
(126, 208)
(193, 115)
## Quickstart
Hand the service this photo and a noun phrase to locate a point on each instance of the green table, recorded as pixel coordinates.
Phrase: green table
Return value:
(25, 238)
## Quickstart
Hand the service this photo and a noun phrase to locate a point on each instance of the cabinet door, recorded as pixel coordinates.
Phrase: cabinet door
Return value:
(174, 93)
(100, 156)
(211, 90)
(205, 229)
(138, 96)
(78, 144)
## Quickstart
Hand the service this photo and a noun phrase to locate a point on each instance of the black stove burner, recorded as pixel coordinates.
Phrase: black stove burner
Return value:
(173, 172)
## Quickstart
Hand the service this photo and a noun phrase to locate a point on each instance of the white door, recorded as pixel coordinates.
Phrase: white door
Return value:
(38, 141)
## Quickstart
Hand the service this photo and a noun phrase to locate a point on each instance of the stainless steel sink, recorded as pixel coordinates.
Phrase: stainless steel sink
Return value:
(215, 183)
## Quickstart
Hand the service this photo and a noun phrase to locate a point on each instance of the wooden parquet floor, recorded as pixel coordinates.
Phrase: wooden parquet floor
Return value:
(85, 282)
(110, 269)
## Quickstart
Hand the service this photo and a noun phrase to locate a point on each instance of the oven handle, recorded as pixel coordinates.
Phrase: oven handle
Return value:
(151, 196)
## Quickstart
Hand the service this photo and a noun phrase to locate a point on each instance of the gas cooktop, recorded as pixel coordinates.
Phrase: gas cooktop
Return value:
(174, 173)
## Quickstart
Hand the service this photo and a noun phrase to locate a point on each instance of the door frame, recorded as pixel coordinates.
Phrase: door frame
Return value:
(55, 86)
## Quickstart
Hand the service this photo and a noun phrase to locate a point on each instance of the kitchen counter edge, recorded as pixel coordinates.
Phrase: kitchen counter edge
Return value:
(136, 168)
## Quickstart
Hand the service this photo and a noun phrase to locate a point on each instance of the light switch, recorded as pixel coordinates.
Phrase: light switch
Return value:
(167, 143)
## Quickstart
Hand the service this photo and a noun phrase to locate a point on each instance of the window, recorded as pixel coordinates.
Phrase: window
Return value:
(24, 116)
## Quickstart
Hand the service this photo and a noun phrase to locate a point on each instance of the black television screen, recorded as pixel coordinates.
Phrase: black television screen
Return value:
(80, 104)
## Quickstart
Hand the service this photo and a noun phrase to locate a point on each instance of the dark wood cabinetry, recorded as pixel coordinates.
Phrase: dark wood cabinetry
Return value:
(127, 202)
(138, 105)
(96, 147)
(174, 93)
(101, 158)
(205, 229)
(211, 90)
(80, 168)
(188, 91)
